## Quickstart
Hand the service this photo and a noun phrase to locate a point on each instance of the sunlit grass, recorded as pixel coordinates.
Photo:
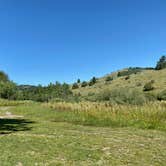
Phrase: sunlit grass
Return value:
(148, 116)
(52, 136)
(4, 102)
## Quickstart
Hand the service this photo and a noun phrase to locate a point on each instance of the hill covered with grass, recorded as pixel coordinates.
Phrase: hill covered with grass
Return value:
(130, 84)
(134, 80)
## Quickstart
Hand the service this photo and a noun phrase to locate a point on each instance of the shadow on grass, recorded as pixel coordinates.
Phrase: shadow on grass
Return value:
(8, 126)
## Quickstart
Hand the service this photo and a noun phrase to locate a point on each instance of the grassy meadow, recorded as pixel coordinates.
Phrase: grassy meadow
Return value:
(82, 133)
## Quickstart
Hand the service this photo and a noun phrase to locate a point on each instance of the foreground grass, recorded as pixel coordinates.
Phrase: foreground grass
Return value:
(37, 139)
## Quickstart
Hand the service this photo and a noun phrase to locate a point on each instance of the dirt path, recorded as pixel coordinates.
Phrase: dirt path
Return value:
(4, 108)
(7, 114)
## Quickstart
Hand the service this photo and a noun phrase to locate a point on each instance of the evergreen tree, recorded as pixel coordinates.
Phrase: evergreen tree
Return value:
(92, 81)
(161, 64)
(78, 81)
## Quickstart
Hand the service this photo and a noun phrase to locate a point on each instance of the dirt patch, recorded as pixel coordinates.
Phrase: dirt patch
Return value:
(9, 115)
(4, 108)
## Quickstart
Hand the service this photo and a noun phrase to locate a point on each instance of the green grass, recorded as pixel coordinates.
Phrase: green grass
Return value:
(4, 102)
(39, 138)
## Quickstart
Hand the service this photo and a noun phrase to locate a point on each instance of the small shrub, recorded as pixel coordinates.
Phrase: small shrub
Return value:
(162, 95)
(138, 84)
(127, 77)
(129, 71)
(148, 86)
(108, 78)
(124, 95)
(152, 81)
(92, 81)
(75, 86)
(91, 94)
(84, 84)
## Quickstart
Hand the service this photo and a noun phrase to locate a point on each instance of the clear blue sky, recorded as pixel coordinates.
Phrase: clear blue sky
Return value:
(42, 41)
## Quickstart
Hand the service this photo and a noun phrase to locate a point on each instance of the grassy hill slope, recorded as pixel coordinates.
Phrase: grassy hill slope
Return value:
(134, 81)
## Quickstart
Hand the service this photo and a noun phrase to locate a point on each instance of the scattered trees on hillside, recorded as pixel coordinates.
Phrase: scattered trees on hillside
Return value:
(92, 81)
(161, 64)
(129, 71)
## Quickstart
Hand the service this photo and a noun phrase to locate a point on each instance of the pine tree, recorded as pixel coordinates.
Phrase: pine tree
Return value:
(161, 64)
(92, 81)
(78, 81)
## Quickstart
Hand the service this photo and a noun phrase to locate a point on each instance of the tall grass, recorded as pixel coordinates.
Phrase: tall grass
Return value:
(148, 116)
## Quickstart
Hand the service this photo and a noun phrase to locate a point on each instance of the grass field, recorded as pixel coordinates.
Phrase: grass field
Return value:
(42, 137)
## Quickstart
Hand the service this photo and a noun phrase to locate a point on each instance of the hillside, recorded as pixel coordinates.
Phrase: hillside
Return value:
(131, 81)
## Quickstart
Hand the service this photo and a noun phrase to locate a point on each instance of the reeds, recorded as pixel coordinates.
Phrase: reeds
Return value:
(150, 115)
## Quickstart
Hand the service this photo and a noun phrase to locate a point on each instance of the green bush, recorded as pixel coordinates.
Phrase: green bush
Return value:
(44, 93)
(162, 95)
(7, 90)
(108, 78)
(3, 77)
(124, 96)
(127, 77)
(148, 86)
(138, 84)
(84, 84)
(129, 71)
(92, 81)
(75, 86)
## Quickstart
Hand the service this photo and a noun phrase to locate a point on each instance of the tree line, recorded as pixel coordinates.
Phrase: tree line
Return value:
(57, 91)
